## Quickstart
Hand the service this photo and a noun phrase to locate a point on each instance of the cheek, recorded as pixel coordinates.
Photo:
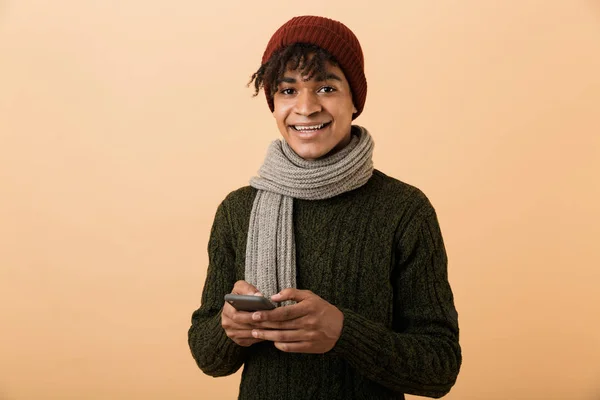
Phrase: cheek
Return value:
(280, 112)
(280, 120)
(341, 109)
(277, 114)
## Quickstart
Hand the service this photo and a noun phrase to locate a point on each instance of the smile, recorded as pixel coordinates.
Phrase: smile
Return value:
(310, 128)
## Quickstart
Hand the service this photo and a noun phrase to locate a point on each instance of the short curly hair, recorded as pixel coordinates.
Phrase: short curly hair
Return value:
(310, 60)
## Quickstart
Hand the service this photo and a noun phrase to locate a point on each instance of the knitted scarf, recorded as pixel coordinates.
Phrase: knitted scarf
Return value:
(284, 176)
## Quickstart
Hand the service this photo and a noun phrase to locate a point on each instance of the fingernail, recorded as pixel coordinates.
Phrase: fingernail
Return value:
(258, 294)
(276, 296)
(256, 316)
(255, 333)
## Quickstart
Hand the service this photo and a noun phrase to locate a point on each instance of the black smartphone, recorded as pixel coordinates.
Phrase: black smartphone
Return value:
(243, 302)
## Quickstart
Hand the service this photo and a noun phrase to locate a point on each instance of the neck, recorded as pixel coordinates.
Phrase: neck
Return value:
(341, 145)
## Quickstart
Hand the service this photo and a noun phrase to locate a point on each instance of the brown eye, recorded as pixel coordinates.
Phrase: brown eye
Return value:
(287, 91)
(327, 89)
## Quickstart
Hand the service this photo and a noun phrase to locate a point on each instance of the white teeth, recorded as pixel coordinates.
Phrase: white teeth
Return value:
(308, 128)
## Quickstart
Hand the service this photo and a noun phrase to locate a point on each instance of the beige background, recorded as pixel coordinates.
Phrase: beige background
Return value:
(124, 123)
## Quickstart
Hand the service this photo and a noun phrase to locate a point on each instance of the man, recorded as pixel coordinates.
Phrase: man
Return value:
(354, 258)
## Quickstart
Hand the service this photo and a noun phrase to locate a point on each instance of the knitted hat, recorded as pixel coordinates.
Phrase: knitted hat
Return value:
(332, 36)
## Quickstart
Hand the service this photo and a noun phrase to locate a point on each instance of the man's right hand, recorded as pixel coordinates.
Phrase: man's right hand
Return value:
(238, 324)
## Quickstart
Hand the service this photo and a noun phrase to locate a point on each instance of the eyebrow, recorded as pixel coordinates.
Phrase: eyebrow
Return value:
(329, 76)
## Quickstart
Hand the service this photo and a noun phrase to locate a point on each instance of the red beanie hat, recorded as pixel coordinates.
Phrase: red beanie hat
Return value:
(329, 35)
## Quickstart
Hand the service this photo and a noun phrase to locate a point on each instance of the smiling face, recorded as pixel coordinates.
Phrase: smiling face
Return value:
(314, 115)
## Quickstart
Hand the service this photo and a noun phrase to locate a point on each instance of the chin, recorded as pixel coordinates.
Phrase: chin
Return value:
(309, 153)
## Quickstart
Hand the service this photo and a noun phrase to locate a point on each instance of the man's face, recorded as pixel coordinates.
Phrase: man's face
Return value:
(314, 116)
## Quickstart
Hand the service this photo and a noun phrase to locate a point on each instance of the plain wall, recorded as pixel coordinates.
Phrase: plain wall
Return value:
(123, 124)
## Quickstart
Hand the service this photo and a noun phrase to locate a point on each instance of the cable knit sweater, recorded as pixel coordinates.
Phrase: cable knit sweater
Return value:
(378, 255)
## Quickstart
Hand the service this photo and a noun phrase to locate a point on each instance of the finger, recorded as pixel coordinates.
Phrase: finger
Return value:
(296, 335)
(243, 319)
(297, 323)
(231, 313)
(247, 342)
(295, 347)
(292, 294)
(243, 287)
(236, 334)
(230, 324)
(228, 309)
(284, 313)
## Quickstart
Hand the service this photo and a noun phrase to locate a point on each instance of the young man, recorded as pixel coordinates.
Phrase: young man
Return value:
(354, 258)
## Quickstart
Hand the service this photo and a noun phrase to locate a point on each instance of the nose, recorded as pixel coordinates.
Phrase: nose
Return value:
(307, 103)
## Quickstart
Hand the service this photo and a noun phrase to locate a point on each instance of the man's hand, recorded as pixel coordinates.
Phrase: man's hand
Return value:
(312, 325)
(238, 324)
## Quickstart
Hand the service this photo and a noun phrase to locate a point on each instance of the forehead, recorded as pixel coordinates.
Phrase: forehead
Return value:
(331, 72)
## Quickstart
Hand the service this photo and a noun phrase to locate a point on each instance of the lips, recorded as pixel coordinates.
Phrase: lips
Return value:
(310, 128)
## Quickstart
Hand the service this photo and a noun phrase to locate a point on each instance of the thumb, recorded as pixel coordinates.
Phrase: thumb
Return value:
(243, 287)
(296, 295)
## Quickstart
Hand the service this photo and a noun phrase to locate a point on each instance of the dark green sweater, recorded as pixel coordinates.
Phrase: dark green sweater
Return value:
(377, 254)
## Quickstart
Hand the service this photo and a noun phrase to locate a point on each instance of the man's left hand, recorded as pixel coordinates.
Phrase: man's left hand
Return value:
(312, 325)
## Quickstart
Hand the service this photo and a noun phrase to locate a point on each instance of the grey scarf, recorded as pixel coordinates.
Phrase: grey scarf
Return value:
(284, 176)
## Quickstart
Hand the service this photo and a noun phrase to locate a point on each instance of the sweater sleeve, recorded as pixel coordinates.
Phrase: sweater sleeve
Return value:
(215, 353)
(421, 354)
